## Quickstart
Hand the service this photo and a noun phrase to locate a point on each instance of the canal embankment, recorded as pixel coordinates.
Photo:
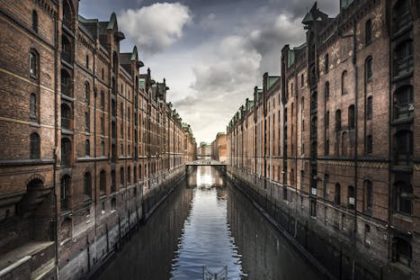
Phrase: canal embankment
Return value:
(335, 257)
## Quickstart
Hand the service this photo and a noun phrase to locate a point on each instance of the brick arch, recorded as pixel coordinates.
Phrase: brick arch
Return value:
(35, 177)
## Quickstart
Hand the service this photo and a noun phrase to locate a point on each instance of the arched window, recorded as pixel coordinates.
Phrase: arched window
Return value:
(368, 69)
(33, 106)
(87, 148)
(401, 16)
(401, 251)
(87, 61)
(351, 117)
(368, 196)
(34, 21)
(87, 93)
(35, 146)
(327, 91)
(65, 192)
(34, 64)
(368, 32)
(102, 182)
(338, 120)
(403, 58)
(129, 175)
(65, 152)
(403, 102)
(404, 147)
(326, 63)
(337, 194)
(65, 116)
(113, 203)
(66, 82)
(122, 176)
(344, 83)
(87, 186)
(67, 14)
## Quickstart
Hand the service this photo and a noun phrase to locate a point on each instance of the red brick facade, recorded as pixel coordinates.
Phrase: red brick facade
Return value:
(333, 141)
(86, 138)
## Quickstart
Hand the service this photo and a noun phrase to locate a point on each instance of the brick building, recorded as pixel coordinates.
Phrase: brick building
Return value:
(332, 142)
(87, 140)
(219, 148)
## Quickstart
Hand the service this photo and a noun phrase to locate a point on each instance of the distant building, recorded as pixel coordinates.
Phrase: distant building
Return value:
(219, 147)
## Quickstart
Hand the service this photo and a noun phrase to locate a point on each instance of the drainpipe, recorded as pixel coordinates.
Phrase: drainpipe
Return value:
(56, 46)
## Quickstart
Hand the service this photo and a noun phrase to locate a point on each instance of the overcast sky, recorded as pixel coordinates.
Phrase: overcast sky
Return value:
(211, 52)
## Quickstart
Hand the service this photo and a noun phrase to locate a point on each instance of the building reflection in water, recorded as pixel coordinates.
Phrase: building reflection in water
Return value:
(266, 254)
(149, 253)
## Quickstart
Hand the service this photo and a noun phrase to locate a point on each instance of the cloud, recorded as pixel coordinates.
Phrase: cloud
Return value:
(155, 27)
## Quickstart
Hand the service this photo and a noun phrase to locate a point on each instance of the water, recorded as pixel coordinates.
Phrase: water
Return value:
(208, 223)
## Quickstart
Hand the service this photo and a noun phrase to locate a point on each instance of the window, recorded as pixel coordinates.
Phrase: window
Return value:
(67, 14)
(33, 106)
(368, 196)
(87, 61)
(102, 148)
(65, 152)
(401, 16)
(325, 187)
(302, 80)
(113, 203)
(129, 175)
(403, 58)
(87, 122)
(102, 182)
(403, 102)
(313, 208)
(326, 63)
(351, 117)
(401, 251)
(344, 83)
(34, 21)
(327, 91)
(102, 125)
(327, 147)
(135, 174)
(113, 181)
(65, 116)
(35, 146)
(87, 148)
(66, 88)
(404, 195)
(369, 144)
(351, 197)
(369, 108)
(284, 193)
(87, 186)
(102, 100)
(338, 120)
(65, 192)
(122, 176)
(403, 147)
(368, 69)
(327, 120)
(368, 32)
(33, 64)
(87, 93)
(337, 195)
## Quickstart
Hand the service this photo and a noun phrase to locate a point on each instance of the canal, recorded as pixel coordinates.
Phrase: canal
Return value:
(207, 223)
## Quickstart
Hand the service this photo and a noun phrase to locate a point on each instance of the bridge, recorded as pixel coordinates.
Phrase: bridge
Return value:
(205, 162)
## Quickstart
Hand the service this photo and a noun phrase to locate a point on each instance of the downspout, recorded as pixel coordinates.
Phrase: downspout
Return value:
(56, 46)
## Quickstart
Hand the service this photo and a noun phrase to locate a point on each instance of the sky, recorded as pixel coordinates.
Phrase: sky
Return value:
(211, 52)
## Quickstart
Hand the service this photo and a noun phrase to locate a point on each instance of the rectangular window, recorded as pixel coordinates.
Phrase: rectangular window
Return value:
(369, 108)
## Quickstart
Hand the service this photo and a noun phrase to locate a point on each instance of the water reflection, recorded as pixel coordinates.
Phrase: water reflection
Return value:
(208, 223)
(206, 240)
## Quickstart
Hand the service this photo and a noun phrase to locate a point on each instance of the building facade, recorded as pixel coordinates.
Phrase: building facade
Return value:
(219, 148)
(332, 142)
(87, 140)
